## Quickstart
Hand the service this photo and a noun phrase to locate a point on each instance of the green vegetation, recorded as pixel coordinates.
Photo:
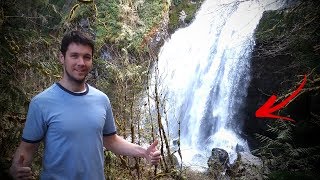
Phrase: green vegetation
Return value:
(293, 32)
(30, 38)
(291, 37)
(24, 71)
(127, 24)
(30, 32)
(282, 153)
(182, 5)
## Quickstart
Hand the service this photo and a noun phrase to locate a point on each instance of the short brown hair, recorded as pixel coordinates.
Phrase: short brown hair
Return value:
(77, 37)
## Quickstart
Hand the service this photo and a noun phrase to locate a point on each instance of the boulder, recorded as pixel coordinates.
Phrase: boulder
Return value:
(218, 164)
(247, 167)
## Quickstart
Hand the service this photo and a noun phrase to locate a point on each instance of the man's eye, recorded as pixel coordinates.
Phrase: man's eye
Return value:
(88, 57)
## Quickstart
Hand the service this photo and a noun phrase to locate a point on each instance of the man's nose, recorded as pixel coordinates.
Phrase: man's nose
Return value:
(81, 61)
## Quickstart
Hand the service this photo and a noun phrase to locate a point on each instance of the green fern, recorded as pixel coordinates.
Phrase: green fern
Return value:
(281, 152)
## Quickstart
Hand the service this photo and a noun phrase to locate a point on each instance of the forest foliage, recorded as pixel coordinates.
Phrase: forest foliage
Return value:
(124, 31)
(30, 38)
(292, 37)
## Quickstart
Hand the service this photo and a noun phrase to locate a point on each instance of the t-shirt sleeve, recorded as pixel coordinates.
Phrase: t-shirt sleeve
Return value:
(35, 126)
(109, 125)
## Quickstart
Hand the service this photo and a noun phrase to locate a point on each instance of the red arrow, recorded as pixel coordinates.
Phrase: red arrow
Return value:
(266, 110)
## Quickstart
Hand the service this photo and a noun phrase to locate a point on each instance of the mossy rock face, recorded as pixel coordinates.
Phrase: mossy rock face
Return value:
(287, 48)
(295, 30)
(269, 20)
(188, 6)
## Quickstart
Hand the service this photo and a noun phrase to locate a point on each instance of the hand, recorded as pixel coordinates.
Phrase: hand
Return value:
(153, 154)
(19, 170)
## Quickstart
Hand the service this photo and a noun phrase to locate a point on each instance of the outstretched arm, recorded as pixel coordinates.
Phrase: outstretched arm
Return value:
(120, 146)
(20, 168)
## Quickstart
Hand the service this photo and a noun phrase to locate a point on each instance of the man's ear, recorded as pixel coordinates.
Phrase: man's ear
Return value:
(61, 58)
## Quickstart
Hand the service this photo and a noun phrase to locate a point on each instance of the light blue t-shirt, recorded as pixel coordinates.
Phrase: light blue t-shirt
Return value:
(72, 126)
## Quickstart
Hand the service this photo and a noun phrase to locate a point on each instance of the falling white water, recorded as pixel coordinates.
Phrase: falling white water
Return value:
(204, 75)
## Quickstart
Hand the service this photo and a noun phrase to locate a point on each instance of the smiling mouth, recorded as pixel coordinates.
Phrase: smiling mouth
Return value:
(81, 71)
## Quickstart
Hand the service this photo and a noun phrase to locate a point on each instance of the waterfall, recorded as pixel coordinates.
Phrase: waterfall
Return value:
(204, 74)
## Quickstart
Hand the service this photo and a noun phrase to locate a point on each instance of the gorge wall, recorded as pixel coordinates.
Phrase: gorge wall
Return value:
(287, 47)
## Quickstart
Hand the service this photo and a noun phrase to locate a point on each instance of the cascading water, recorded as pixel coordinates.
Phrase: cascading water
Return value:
(204, 75)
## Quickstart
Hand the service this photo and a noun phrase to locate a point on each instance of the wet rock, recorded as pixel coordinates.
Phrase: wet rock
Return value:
(247, 167)
(218, 164)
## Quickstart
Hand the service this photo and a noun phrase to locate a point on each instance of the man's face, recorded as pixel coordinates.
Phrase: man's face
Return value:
(77, 62)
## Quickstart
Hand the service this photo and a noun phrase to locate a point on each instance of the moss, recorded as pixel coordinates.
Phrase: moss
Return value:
(107, 26)
(295, 30)
(269, 20)
(82, 11)
(286, 48)
(185, 5)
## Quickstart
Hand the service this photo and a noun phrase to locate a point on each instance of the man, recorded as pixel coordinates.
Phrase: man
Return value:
(75, 121)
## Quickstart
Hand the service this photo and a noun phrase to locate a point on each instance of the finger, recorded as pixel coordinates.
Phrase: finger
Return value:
(155, 158)
(155, 153)
(24, 175)
(24, 170)
(153, 146)
(20, 160)
(155, 162)
(27, 178)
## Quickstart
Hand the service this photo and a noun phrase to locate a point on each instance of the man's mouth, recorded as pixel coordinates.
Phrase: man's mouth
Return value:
(81, 71)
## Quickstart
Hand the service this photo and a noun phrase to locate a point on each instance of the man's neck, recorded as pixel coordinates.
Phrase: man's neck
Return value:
(73, 86)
